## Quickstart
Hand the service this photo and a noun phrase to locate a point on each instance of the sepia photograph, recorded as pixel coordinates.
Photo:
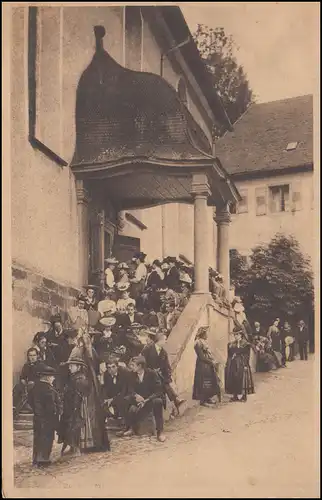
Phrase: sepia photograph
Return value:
(161, 258)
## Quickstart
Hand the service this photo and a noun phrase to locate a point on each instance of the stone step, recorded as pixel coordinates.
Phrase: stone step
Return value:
(22, 425)
(25, 416)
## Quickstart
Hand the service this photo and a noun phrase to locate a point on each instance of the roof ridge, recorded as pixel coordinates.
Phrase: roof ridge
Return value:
(283, 100)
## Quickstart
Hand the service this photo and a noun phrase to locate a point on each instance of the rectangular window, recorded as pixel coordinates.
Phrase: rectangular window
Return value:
(279, 198)
(242, 206)
(261, 201)
(296, 196)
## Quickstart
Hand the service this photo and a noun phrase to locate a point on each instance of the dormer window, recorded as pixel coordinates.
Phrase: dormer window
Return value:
(291, 146)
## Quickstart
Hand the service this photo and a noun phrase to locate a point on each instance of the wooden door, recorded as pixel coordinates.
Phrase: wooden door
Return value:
(125, 247)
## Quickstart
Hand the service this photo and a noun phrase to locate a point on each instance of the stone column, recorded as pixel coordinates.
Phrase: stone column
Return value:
(223, 220)
(214, 239)
(83, 236)
(200, 190)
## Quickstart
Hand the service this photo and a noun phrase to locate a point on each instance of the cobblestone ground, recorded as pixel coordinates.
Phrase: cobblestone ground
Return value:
(264, 448)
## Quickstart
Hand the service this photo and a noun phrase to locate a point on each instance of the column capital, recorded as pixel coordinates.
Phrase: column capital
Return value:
(222, 215)
(200, 185)
(82, 195)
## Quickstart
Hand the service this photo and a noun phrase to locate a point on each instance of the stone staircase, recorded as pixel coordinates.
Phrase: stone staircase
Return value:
(23, 422)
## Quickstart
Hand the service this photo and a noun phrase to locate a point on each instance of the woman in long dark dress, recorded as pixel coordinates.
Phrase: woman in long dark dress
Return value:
(94, 437)
(206, 382)
(72, 422)
(238, 375)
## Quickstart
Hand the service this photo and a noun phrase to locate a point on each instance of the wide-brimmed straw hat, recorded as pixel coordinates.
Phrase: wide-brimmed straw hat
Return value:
(123, 265)
(111, 260)
(108, 321)
(91, 287)
(123, 287)
(76, 361)
(136, 325)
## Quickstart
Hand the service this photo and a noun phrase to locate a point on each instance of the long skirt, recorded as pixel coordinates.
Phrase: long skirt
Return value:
(206, 382)
(238, 377)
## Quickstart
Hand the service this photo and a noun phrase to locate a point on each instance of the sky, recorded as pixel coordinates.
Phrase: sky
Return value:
(278, 42)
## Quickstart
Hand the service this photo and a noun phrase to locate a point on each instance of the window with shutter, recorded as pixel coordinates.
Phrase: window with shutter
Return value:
(261, 201)
(279, 198)
(242, 206)
(296, 196)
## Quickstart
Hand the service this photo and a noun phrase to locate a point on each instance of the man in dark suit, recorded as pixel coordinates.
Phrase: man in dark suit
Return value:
(144, 395)
(131, 316)
(302, 337)
(258, 330)
(172, 277)
(115, 388)
(57, 340)
(46, 405)
(157, 359)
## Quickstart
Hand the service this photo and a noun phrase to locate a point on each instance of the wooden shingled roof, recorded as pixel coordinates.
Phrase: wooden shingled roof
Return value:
(261, 136)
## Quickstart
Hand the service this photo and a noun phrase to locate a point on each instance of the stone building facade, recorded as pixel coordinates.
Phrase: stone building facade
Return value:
(270, 158)
(63, 221)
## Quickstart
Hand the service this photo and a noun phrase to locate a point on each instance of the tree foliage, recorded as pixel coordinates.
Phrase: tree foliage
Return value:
(229, 78)
(238, 269)
(278, 283)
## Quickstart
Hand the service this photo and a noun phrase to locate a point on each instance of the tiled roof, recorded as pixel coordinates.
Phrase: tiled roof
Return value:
(126, 114)
(261, 136)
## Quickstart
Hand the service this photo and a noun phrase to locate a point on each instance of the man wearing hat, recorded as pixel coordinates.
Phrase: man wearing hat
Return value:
(132, 340)
(45, 403)
(172, 277)
(125, 299)
(157, 359)
(72, 423)
(109, 272)
(57, 339)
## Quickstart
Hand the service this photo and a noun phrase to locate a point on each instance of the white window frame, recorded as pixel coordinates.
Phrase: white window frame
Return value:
(279, 185)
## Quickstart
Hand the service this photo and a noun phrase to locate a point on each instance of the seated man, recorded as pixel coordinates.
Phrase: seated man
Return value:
(45, 353)
(169, 319)
(131, 316)
(28, 377)
(115, 388)
(132, 340)
(57, 340)
(157, 359)
(144, 395)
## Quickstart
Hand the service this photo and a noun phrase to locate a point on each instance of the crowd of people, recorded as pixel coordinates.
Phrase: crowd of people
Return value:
(107, 360)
